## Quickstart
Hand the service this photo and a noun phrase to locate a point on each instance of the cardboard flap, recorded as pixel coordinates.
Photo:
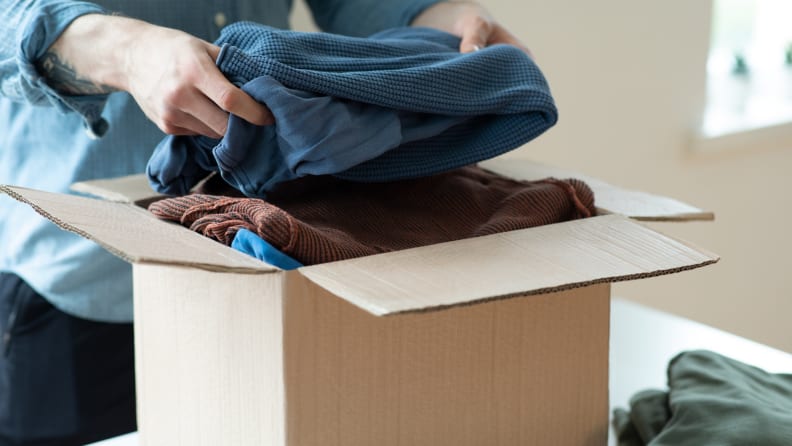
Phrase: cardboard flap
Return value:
(531, 261)
(608, 198)
(128, 189)
(133, 233)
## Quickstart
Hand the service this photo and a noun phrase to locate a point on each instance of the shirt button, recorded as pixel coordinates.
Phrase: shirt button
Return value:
(220, 20)
(96, 129)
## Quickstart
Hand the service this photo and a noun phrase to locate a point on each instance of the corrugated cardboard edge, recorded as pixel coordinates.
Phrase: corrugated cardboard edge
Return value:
(127, 189)
(252, 267)
(379, 311)
(556, 289)
(369, 284)
(63, 225)
(613, 244)
(608, 198)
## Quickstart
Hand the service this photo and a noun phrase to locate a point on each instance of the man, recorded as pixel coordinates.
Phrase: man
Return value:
(86, 91)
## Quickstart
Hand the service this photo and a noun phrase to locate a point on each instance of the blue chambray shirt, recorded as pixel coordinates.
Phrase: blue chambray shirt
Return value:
(49, 141)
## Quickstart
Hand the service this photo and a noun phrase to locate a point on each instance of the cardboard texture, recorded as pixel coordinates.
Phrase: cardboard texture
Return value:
(274, 359)
(530, 261)
(496, 340)
(609, 199)
(133, 233)
(128, 189)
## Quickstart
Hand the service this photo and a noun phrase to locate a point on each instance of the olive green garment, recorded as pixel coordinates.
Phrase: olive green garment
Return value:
(713, 400)
(648, 415)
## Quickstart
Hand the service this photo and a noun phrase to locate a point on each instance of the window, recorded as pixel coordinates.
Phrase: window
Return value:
(749, 71)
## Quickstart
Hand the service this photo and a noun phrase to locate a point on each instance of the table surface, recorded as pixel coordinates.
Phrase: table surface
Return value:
(642, 341)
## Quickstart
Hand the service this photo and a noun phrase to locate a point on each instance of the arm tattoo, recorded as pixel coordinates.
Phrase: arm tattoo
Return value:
(62, 77)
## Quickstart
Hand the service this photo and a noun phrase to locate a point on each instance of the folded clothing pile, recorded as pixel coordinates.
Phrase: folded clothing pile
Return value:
(712, 400)
(324, 219)
(400, 104)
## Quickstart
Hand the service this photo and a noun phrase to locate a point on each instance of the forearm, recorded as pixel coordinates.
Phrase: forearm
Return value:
(72, 59)
(171, 74)
(87, 58)
(365, 17)
(28, 28)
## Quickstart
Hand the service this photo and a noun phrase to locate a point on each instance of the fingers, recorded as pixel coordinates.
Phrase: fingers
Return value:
(173, 77)
(230, 98)
(201, 106)
(195, 111)
(185, 124)
(480, 32)
(475, 35)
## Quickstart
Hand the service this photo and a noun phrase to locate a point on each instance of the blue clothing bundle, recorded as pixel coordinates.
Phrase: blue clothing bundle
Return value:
(402, 103)
(44, 145)
(251, 244)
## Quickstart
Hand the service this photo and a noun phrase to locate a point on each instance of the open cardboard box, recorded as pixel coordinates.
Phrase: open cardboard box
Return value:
(495, 340)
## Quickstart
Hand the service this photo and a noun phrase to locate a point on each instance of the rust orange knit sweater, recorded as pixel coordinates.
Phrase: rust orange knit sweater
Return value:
(323, 219)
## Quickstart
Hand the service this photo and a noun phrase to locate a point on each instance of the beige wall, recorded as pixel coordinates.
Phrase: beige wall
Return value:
(628, 76)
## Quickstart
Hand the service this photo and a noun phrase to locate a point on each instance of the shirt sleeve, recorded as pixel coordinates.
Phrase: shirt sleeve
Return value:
(365, 17)
(27, 30)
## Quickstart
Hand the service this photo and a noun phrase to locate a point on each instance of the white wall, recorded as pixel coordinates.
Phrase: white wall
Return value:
(628, 76)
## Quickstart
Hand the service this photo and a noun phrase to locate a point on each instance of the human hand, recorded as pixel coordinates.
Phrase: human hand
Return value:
(470, 22)
(171, 74)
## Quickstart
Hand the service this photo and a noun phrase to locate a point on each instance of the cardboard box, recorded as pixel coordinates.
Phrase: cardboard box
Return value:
(496, 340)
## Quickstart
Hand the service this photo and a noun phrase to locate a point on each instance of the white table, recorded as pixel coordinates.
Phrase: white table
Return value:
(642, 342)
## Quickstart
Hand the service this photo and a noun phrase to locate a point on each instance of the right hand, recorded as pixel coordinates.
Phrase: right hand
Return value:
(171, 74)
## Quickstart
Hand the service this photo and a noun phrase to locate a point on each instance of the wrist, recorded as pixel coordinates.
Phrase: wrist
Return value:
(446, 15)
(90, 56)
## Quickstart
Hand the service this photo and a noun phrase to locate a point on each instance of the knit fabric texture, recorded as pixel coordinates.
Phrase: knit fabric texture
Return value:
(400, 104)
(712, 401)
(323, 219)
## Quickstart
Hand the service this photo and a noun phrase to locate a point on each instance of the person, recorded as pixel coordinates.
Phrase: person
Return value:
(86, 91)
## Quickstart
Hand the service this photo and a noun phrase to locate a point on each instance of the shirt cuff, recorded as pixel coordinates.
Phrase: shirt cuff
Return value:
(46, 23)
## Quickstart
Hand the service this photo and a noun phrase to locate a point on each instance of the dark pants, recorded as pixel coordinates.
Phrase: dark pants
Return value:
(63, 380)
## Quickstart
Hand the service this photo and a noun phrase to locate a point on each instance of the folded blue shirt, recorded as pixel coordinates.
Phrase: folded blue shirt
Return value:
(403, 103)
(251, 244)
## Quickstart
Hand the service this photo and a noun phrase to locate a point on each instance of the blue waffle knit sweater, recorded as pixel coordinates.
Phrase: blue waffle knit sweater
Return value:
(403, 103)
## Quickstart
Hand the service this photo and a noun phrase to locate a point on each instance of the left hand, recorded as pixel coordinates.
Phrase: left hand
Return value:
(469, 21)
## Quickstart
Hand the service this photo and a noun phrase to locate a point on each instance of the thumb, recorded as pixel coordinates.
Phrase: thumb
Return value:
(475, 36)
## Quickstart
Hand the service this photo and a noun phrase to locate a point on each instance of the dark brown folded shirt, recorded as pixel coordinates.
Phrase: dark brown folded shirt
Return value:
(323, 219)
